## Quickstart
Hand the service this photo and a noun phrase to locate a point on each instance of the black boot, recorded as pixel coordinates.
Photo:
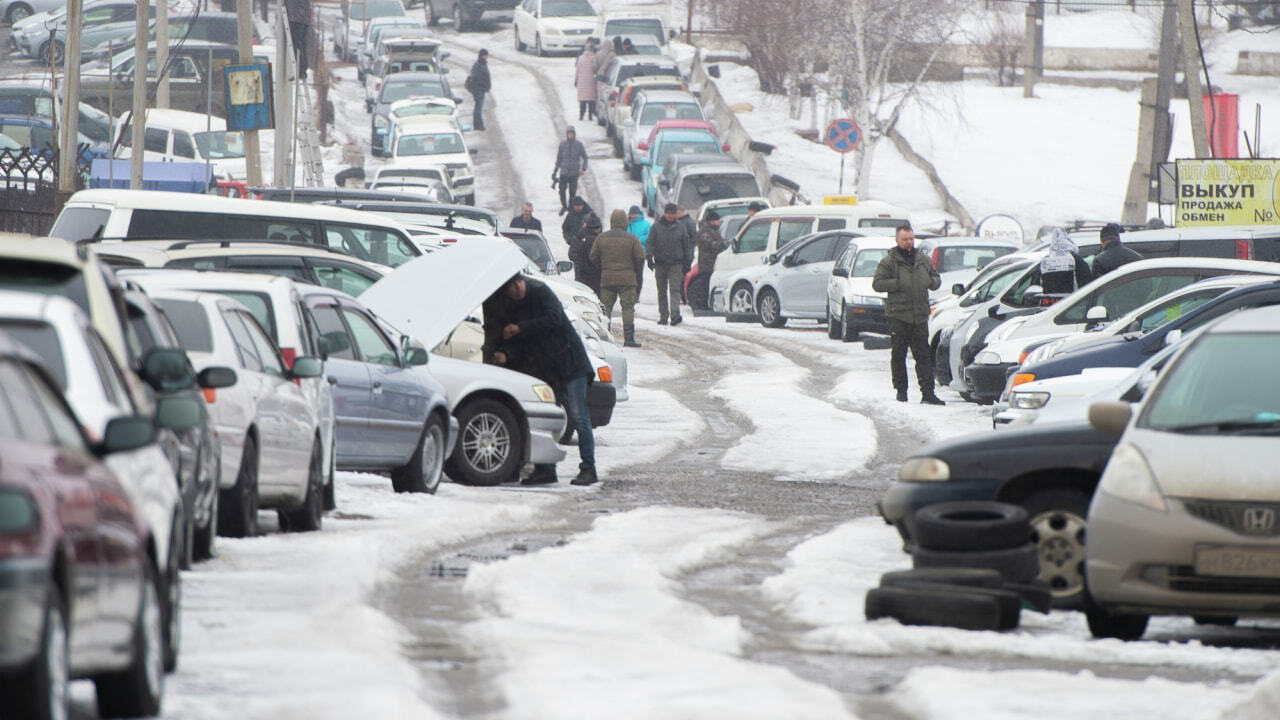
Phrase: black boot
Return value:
(931, 399)
(586, 476)
(629, 333)
(541, 476)
(902, 395)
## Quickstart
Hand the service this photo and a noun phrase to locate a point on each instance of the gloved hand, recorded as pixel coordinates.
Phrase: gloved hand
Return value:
(553, 179)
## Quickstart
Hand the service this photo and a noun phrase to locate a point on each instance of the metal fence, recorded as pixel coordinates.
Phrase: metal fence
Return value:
(28, 190)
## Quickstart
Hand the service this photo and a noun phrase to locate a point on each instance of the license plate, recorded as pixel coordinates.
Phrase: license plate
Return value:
(1238, 562)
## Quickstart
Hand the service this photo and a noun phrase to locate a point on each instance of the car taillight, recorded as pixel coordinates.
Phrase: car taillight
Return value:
(1242, 250)
(936, 252)
(725, 147)
(289, 355)
(1021, 378)
(210, 395)
(606, 374)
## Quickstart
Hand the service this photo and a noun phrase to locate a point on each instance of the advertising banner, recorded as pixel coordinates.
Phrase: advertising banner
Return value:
(1228, 192)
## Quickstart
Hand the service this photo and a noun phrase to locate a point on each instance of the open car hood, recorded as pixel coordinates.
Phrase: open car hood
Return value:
(428, 296)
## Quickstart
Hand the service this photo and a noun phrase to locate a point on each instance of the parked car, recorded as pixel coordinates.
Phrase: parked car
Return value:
(637, 23)
(70, 611)
(613, 111)
(399, 86)
(465, 13)
(460, 219)
(622, 68)
(1184, 519)
(402, 53)
(432, 141)
(552, 25)
(27, 97)
(100, 390)
(182, 136)
(15, 11)
(390, 416)
(852, 306)
(432, 183)
(375, 30)
(958, 259)
(694, 185)
(671, 137)
(272, 453)
(652, 106)
(348, 26)
(792, 284)
(207, 25)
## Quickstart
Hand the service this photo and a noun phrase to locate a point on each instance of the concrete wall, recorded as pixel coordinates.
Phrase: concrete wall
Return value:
(1253, 62)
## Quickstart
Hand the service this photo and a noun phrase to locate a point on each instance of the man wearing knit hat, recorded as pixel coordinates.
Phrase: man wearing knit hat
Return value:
(1114, 253)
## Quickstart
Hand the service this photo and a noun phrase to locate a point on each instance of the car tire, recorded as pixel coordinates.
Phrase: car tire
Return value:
(699, 289)
(953, 606)
(601, 120)
(136, 691)
(739, 306)
(617, 150)
(171, 609)
(17, 12)
(833, 327)
(515, 32)
(968, 577)
(1009, 602)
(58, 51)
(490, 444)
(205, 538)
(1019, 565)
(40, 689)
(537, 46)
(970, 525)
(331, 485)
(1057, 519)
(422, 473)
(769, 309)
(635, 172)
(238, 505)
(1104, 623)
(846, 334)
(309, 516)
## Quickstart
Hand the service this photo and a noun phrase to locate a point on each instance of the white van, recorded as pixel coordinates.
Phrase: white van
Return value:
(120, 215)
(771, 229)
(178, 135)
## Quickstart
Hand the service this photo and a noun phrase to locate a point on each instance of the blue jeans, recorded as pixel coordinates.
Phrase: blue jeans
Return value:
(477, 118)
(573, 397)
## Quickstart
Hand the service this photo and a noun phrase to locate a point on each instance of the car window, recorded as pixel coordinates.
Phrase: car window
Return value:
(373, 347)
(271, 362)
(182, 225)
(329, 325)
(881, 222)
(156, 140)
(992, 286)
(111, 385)
(653, 112)
(838, 245)
(8, 419)
(378, 245)
(951, 257)
(1169, 310)
(259, 304)
(813, 251)
(755, 238)
(190, 323)
(1124, 295)
(49, 278)
(1205, 386)
(66, 431)
(245, 349)
(846, 257)
(25, 404)
(341, 278)
(182, 145)
(867, 261)
(831, 224)
(789, 230)
(42, 339)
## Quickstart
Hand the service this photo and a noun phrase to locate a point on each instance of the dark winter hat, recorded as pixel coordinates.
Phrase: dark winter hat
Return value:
(570, 130)
(712, 215)
(577, 200)
(593, 221)
(484, 53)
(670, 208)
(756, 206)
(635, 210)
(1110, 231)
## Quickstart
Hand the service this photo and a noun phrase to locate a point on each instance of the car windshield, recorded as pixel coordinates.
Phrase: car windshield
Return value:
(376, 8)
(667, 149)
(696, 190)
(634, 26)
(644, 70)
(393, 91)
(42, 339)
(566, 8)
(1157, 315)
(429, 144)
(220, 144)
(653, 112)
(424, 109)
(865, 264)
(962, 257)
(1206, 391)
(535, 248)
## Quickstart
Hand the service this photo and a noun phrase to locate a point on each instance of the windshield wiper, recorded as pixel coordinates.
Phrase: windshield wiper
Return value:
(1266, 423)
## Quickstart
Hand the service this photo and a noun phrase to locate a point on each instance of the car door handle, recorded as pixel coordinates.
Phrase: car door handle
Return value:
(377, 386)
(332, 380)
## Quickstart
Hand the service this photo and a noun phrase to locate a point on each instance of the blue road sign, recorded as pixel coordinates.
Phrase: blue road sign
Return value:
(843, 135)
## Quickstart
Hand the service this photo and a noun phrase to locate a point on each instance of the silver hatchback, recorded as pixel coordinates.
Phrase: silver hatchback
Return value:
(1186, 518)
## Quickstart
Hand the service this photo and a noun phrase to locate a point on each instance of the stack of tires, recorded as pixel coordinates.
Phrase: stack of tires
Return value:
(975, 567)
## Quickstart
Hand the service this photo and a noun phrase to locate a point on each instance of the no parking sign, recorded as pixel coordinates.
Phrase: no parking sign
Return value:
(843, 135)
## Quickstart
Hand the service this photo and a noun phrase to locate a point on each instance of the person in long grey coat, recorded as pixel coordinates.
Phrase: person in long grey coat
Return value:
(584, 78)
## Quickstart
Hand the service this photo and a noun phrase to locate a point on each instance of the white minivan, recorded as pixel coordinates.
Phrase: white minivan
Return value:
(182, 136)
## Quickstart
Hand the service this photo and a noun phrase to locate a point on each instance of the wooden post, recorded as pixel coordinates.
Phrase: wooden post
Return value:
(139, 115)
(1034, 48)
(69, 144)
(244, 38)
(162, 52)
(1191, 67)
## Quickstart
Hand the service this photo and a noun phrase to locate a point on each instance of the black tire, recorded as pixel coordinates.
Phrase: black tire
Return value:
(171, 609)
(137, 690)
(962, 608)
(17, 12)
(238, 505)
(1057, 518)
(537, 46)
(699, 288)
(490, 445)
(617, 148)
(610, 130)
(769, 309)
(601, 120)
(1219, 620)
(205, 538)
(422, 473)
(308, 517)
(58, 52)
(1107, 624)
(1009, 602)
(846, 334)
(635, 172)
(331, 485)
(739, 307)
(1019, 565)
(970, 525)
(39, 690)
(969, 577)
(834, 329)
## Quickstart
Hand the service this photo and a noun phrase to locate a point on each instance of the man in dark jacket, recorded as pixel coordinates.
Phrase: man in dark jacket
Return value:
(584, 270)
(710, 244)
(299, 13)
(536, 337)
(906, 276)
(571, 163)
(478, 84)
(575, 220)
(1114, 253)
(525, 220)
(620, 257)
(668, 252)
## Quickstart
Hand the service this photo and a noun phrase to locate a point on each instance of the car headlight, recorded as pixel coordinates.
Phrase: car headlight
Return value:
(986, 357)
(924, 469)
(553, 30)
(585, 301)
(380, 121)
(1006, 330)
(867, 300)
(1044, 352)
(544, 393)
(1028, 400)
(1128, 477)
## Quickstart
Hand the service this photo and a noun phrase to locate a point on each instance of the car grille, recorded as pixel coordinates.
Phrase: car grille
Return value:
(1253, 519)
(578, 32)
(1183, 578)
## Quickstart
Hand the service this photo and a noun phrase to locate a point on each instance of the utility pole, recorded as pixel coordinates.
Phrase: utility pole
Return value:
(1034, 52)
(284, 70)
(244, 38)
(139, 114)
(162, 52)
(69, 145)
(1191, 72)
(688, 24)
(1155, 133)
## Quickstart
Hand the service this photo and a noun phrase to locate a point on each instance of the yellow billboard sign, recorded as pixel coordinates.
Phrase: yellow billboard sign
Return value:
(839, 199)
(1228, 192)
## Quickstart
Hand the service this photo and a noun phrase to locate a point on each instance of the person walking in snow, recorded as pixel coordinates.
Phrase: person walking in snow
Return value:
(585, 270)
(299, 14)
(620, 258)
(571, 163)
(574, 220)
(584, 78)
(478, 84)
(638, 225)
(668, 253)
(906, 276)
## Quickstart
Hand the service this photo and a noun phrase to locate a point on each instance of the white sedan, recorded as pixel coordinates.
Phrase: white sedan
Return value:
(553, 25)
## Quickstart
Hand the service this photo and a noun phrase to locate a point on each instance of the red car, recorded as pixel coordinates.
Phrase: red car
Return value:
(79, 593)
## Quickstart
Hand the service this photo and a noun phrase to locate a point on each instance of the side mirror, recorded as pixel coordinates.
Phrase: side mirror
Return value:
(957, 289)
(1033, 294)
(1173, 337)
(212, 378)
(471, 151)
(1110, 417)
(840, 272)
(179, 412)
(444, 54)
(564, 266)
(127, 433)
(457, 100)
(416, 356)
(167, 369)
(1096, 314)
(307, 367)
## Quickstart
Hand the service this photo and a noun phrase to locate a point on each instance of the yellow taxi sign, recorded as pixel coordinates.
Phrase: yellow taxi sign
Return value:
(839, 199)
